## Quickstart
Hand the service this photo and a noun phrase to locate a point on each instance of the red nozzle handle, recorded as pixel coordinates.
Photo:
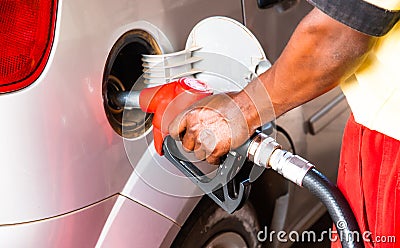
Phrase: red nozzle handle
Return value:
(167, 101)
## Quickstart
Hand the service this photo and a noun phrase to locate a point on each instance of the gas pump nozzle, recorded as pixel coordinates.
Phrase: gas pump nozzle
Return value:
(166, 101)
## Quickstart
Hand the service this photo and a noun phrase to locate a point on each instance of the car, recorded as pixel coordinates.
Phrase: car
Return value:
(78, 172)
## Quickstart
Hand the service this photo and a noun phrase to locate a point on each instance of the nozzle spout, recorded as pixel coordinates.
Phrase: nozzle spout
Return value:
(126, 99)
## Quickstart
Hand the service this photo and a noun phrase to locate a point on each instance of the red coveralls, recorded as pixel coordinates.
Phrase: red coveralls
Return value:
(369, 177)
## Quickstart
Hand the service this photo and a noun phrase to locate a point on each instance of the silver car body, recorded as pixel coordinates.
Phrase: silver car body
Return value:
(65, 178)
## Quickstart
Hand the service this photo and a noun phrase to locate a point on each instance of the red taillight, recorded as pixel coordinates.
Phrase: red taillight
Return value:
(26, 36)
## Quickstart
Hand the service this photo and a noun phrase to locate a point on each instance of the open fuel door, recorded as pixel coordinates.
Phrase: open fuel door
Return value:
(219, 50)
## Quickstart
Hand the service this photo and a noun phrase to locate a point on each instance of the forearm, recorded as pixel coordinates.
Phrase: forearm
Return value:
(320, 54)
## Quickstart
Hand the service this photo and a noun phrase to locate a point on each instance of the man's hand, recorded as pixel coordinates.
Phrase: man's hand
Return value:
(214, 125)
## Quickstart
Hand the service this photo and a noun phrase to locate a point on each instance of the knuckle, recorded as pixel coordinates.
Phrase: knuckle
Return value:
(212, 160)
(187, 144)
(191, 128)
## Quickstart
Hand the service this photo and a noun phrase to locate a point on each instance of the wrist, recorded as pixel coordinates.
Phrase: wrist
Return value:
(249, 110)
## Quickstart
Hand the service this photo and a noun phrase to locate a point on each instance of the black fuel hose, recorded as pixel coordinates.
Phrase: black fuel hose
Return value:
(338, 208)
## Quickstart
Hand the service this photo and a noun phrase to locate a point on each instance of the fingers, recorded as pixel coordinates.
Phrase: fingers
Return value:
(188, 141)
(199, 152)
(208, 142)
(215, 160)
(204, 149)
(214, 156)
(209, 129)
(178, 126)
(179, 130)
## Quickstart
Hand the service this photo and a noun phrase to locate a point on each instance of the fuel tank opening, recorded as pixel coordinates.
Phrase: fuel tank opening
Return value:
(123, 68)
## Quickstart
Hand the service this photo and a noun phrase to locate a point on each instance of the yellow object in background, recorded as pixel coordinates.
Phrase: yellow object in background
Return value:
(374, 93)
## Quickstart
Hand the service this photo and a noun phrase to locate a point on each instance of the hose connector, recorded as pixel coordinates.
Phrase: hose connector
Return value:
(264, 151)
(290, 166)
(261, 149)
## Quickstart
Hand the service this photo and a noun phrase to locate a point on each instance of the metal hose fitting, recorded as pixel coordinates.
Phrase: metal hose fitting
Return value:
(266, 152)
(261, 148)
(290, 166)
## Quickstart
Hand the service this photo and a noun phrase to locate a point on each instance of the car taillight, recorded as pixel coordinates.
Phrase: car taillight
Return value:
(26, 35)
